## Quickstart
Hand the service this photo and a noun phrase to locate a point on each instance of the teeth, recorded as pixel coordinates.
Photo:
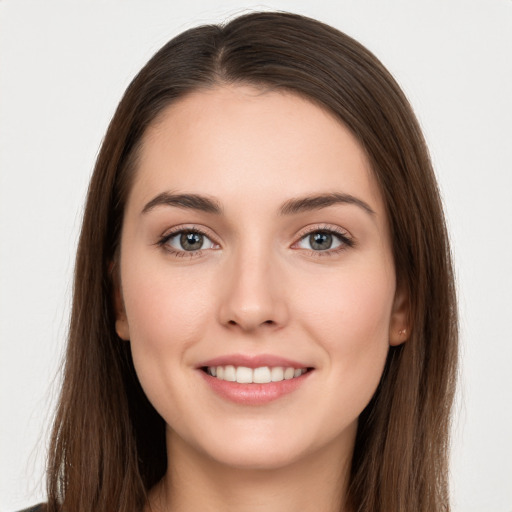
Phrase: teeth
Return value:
(277, 374)
(244, 375)
(288, 373)
(230, 373)
(261, 375)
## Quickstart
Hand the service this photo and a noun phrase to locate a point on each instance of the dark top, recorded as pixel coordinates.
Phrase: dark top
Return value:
(36, 508)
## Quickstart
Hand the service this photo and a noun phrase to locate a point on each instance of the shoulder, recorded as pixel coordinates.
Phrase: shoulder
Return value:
(36, 508)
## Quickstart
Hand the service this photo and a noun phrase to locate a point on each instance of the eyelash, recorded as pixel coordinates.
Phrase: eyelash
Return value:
(162, 242)
(345, 241)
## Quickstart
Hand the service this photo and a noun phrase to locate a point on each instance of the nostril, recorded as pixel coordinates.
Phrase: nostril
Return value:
(270, 322)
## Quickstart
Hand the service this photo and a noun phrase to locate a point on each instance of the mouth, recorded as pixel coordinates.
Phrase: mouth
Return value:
(259, 375)
(254, 379)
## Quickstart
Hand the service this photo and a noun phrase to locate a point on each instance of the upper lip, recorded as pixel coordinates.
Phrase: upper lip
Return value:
(253, 361)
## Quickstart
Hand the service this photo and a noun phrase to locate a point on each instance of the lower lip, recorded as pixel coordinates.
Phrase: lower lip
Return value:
(254, 394)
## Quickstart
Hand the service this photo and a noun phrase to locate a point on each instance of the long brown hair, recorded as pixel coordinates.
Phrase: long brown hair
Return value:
(108, 443)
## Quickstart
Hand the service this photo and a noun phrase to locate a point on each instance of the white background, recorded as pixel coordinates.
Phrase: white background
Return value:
(63, 68)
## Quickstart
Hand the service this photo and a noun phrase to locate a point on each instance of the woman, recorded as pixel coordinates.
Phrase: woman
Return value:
(264, 313)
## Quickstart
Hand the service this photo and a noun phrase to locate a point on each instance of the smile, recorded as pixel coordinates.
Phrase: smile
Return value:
(260, 375)
(254, 380)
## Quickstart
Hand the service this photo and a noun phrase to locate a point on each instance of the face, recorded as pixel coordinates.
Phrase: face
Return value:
(257, 286)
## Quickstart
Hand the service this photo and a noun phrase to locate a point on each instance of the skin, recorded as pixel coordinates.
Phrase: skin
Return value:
(256, 288)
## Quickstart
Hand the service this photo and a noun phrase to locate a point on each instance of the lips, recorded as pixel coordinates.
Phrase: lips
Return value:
(253, 380)
(252, 361)
(260, 375)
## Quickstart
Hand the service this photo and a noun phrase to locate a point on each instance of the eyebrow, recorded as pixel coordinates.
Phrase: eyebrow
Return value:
(187, 201)
(290, 207)
(319, 201)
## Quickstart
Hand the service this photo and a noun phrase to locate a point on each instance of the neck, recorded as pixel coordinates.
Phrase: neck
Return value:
(194, 482)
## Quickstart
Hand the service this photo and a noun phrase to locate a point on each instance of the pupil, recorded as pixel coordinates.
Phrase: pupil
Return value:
(191, 241)
(320, 241)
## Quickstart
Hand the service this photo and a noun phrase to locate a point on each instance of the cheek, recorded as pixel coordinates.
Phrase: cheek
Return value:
(163, 306)
(348, 315)
(166, 316)
(350, 302)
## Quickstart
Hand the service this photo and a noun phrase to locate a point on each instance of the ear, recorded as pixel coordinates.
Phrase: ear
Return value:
(122, 327)
(399, 325)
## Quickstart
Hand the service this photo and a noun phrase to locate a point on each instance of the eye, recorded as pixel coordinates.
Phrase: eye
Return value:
(190, 240)
(324, 241)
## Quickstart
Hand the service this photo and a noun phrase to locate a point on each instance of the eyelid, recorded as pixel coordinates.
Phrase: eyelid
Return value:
(185, 228)
(342, 234)
(328, 228)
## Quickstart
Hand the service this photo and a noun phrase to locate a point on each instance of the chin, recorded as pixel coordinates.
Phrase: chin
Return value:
(266, 457)
(267, 447)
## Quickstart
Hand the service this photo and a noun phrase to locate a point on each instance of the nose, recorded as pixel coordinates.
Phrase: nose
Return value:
(253, 293)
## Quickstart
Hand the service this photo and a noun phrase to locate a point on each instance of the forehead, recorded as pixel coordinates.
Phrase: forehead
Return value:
(237, 142)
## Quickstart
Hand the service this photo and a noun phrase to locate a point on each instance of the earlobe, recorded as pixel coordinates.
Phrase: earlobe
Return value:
(121, 325)
(398, 337)
(399, 326)
(122, 328)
